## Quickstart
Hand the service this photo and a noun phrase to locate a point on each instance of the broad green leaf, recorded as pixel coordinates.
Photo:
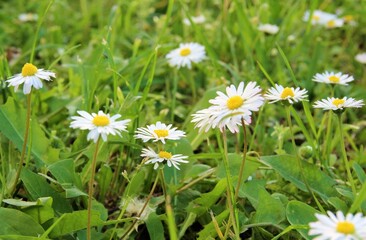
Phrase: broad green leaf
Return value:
(235, 161)
(104, 177)
(155, 227)
(360, 172)
(299, 213)
(12, 118)
(136, 184)
(288, 167)
(75, 221)
(15, 222)
(202, 204)
(38, 187)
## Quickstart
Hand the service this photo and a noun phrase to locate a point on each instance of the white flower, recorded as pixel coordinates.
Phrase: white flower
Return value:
(268, 28)
(30, 76)
(279, 93)
(28, 17)
(227, 110)
(334, 23)
(333, 78)
(323, 18)
(338, 227)
(159, 131)
(361, 58)
(197, 20)
(332, 103)
(99, 124)
(186, 54)
(156, 158)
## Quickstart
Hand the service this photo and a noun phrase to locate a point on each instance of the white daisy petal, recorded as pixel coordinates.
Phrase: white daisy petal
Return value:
(335, 104)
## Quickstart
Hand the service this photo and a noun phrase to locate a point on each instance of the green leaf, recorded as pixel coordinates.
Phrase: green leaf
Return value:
(38, 187)
(12, 118)
(104, 177)
(299, 213)
(155, 227)
(235, 161)
(15, 222)
(288, 167)
(75, 221)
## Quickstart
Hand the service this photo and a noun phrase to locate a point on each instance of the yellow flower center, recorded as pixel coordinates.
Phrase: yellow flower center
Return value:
(29, 70)
(315, 17)
(101, 121)
(338, 102)
(165, 155)
(234, 102)
(334, 79)
(287, 92)
(185, 52)
(348, 18)
(161, 132)
(331, 23)
(346, 227)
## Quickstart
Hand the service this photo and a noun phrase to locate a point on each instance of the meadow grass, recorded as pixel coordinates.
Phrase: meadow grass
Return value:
(266, 181)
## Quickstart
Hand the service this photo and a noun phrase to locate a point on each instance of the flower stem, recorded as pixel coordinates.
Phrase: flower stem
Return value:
(299, 161)
(174, 94)
(24, 148)
(241, 171)
(345, 159)
(91, 182)
(172, 226)
(326, 150)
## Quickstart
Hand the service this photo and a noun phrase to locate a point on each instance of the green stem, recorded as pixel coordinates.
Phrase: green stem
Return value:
(24, 148)
(174, 94)
(230, 193)
(328, 141)
(172, 226)
(91, 182)
(344, 153)
(241, 171)
(299, 161)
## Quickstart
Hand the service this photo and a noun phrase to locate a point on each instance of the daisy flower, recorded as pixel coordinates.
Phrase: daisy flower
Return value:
(333, 78)
(279, 93)
(338, 226)
(159, 131)
(156, 158)
(197, 20)
(338, 104)
(361, 58)
(186, 54)
(30, 76)
(99, 124)
(268, 28)
(227, 110)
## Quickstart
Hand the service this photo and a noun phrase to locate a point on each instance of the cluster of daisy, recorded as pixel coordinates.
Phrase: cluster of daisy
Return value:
(332, 103)
(160, 132)
(328, 20)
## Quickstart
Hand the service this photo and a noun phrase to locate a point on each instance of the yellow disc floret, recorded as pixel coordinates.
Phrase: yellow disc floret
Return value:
(334, 79)
(185, 52)
(165, 155)
(29, 70)
(331, 23)
(287, 92)
(338, 102)
(315, 17)
(234, 102)
(346, 227)
(101, 121)
(161, 132)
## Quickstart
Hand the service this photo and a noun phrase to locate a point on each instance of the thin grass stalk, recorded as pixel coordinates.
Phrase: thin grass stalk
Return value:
(241, 171)
(91, 182)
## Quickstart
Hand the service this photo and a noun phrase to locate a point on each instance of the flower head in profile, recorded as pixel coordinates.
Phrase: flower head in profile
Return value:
(280, 93)
(159, 132)
(163, 156)
(186, 54)
(30, 76)
(197, 20)
(335, 104)
(228, 110)
(268, 28)
(100, 124)
(338, 226)
(333, 78)
(361, 58)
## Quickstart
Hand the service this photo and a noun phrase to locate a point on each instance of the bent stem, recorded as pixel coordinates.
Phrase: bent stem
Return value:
(344, 153)
(241, 171)
(91, 182)
(299, 161)
(24, 148)
(172, 226)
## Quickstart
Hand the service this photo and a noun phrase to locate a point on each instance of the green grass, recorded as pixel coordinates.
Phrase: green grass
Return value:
(110, 56)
